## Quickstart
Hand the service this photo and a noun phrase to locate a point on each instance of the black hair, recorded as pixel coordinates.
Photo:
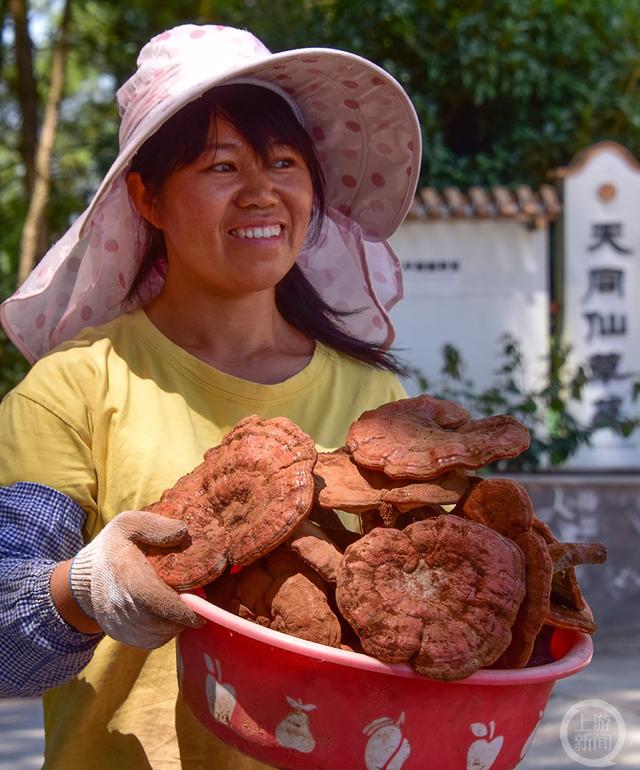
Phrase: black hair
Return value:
(181, 140)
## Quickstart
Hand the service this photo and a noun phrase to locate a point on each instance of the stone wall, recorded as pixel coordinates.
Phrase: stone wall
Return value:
(606, 508)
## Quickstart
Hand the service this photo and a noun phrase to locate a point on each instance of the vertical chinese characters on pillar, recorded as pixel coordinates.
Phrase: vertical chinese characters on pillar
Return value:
(601, 315)
(606, 280)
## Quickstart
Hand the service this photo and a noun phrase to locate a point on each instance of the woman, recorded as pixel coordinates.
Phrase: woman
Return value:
(232, 262)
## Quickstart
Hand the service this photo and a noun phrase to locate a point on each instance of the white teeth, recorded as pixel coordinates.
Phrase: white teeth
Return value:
(272, 231)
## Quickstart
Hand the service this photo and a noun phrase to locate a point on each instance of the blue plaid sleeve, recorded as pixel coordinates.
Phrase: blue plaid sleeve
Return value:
(39, 527)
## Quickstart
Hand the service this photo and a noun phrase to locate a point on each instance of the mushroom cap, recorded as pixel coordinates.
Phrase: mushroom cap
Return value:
(248, 591)
(279, 591)
(316, 549)
(301, 609)
(535, 605)
(569, 609)
(441, 594)
(501, 504)
(565, 590)
(344, 485)
(240, 503)
(418, 438)
(544, 530)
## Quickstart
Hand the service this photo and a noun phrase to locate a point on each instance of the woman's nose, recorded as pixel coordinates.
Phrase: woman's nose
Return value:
(256, 189)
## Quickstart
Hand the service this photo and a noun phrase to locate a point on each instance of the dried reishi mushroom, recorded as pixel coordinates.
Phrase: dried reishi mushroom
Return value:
(501, 504)
(418, 514)
(298, 599)
(316, 549)
(544, 530)
(301, 609)
(247, 591)
(280, 592)
(534, 609)
(202, 555)
(388, 516)
(570, 618)
(248, 599)
(333, 525)
(565, 590)
(542, 653)
(441, 594)
(344, 485)
(448, 592)
(284, 561)
(566, 555)
(569, 609)
(339, 483)
(410, 439)
(242, 592)
(244, 499)
(441, 490)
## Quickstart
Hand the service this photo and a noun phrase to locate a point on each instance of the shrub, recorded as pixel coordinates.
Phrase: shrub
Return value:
(555, 433)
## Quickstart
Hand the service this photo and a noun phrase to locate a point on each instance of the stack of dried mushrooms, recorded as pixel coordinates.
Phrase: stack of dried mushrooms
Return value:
(448, 589)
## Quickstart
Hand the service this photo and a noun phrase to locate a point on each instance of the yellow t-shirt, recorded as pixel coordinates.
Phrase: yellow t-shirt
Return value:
(112, 419)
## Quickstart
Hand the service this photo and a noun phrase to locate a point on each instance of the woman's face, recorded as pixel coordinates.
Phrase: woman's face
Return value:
(234, 224)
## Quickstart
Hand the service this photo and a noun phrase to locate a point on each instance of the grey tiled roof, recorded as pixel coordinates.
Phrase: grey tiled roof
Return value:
(521, 203)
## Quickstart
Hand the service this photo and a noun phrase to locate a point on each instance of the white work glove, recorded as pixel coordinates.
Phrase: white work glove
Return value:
(113, 582)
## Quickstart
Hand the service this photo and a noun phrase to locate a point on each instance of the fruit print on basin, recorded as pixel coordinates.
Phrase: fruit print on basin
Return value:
(367, 714)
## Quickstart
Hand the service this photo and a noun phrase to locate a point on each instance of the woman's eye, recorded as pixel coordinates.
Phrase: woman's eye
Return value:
(221, 167)
(283, 163)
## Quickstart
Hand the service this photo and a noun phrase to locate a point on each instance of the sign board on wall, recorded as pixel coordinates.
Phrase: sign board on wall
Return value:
(601, 291)
(468, 282)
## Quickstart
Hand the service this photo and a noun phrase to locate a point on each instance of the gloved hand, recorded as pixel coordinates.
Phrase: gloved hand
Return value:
(113, 582)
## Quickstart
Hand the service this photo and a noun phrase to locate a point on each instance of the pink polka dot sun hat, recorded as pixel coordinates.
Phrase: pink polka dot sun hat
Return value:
(368, 140)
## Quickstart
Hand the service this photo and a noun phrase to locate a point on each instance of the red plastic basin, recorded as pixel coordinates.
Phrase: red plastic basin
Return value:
(303, 706)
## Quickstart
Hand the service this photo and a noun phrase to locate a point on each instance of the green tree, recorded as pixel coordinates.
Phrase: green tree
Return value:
(505, 90)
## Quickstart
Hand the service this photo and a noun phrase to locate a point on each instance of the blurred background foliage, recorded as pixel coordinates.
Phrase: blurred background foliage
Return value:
(545, 410)
(505, 90)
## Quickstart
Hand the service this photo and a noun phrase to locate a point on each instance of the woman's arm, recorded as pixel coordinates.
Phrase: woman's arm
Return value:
(66, 603)
(39, 645)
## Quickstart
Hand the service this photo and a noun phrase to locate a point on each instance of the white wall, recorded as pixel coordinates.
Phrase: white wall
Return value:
(487, 277)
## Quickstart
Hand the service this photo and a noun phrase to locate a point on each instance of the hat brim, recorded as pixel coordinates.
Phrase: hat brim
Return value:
(362, 122)
(368, 141)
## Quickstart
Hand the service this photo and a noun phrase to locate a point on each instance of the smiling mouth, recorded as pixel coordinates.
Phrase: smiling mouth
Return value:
(271, 231)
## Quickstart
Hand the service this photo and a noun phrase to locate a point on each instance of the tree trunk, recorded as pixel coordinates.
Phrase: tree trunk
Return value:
(35, 220)
(27, 91)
